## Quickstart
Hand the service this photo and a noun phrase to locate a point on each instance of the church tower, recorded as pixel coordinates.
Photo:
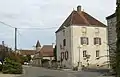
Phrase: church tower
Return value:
(38, 46)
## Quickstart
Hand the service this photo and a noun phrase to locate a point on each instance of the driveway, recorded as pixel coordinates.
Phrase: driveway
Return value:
(42, 72)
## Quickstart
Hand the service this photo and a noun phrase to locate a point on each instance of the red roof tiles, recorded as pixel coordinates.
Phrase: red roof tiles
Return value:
(47, 51)
(81, 19)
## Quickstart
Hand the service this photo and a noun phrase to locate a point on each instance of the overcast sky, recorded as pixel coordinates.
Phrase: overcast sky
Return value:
(44, 14)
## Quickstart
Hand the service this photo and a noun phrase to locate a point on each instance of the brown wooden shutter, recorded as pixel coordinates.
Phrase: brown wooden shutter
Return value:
(87, 40)
(81, 40)
(94, 41)
(99, 41)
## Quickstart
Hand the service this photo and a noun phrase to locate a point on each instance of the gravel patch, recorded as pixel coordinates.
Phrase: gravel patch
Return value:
(8, 75)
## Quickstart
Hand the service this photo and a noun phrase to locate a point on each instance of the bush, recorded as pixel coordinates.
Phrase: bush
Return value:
(11, 67)
(1, 66)
(75, 68)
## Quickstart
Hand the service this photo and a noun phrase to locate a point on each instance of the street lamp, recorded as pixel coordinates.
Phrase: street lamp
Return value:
(79, 63)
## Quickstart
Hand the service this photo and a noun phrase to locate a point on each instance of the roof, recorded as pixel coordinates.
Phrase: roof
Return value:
(47, 51)
(81, 19)
(38, 44)
(27, 52)
(111, 16)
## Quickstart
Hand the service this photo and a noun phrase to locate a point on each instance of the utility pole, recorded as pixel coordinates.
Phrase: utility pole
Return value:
(79, 65)
(3, 51)
(15, 39)
(117, 66)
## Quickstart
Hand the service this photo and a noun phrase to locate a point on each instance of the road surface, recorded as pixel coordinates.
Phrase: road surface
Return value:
(42, 72)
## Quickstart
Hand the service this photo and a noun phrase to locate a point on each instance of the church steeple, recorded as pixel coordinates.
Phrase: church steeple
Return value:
(38, 44)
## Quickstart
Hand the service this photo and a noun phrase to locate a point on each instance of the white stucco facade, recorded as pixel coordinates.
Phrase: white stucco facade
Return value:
(73, 35)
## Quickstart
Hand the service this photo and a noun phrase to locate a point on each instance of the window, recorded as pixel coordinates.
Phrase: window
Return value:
(97, 41)
(84, 40)
(63, 32)
(96, 30)
(97, 53)
(84, 53)
(84, 29)
(64, 42)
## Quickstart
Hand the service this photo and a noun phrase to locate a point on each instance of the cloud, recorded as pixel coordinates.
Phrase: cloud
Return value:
(45, 13)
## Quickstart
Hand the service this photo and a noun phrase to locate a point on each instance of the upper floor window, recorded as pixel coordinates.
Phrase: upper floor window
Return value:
(84, 40)
(64, 42)
(63, 32)
(97, 41)
(84, 53)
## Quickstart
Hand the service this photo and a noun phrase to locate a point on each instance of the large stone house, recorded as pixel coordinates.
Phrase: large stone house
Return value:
(82, 40)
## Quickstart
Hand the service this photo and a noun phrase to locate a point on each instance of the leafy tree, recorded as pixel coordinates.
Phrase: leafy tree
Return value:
(11, 67)
(117, 68)
(28, 58)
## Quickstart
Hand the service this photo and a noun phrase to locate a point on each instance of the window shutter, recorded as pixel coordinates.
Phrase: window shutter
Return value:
(81, 40)
(64, 42)
(87, 41)
(99, 41)
(84, 53)
(94, 41)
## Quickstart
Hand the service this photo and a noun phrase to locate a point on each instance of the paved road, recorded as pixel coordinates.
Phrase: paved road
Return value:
(41, 72)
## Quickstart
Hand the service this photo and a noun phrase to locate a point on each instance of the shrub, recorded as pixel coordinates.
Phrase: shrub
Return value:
(12, 67)
(75, 68)
(1, 66)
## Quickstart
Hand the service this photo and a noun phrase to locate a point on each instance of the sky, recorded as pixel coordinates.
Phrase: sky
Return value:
(44, 14)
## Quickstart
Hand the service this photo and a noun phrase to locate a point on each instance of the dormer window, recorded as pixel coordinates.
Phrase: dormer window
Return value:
(96, 30)
(84, 30)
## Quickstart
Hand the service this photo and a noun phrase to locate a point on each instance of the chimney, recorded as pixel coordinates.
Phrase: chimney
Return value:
(79, 8)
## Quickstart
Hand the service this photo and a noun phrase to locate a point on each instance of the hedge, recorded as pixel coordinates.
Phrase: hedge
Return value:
(12, 67)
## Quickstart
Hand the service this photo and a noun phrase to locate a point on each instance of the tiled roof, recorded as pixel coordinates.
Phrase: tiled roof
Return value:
(81, 19)
(47, 51)
(27, 52)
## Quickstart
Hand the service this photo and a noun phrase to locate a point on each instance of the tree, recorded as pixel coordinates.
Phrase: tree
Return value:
(55, 53)
(28, 58)
(117, 64)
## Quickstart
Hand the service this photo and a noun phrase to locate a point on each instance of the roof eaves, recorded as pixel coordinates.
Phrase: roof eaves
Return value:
(111, 16)
(67, 22)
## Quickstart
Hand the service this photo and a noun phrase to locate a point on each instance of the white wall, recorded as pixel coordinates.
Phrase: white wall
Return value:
(72, 36)
(90, 48)
(49, 58)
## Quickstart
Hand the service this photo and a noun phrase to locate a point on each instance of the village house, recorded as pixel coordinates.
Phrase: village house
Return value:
(26, 52)
(44, 52)
(112, 35)
(82, 41)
